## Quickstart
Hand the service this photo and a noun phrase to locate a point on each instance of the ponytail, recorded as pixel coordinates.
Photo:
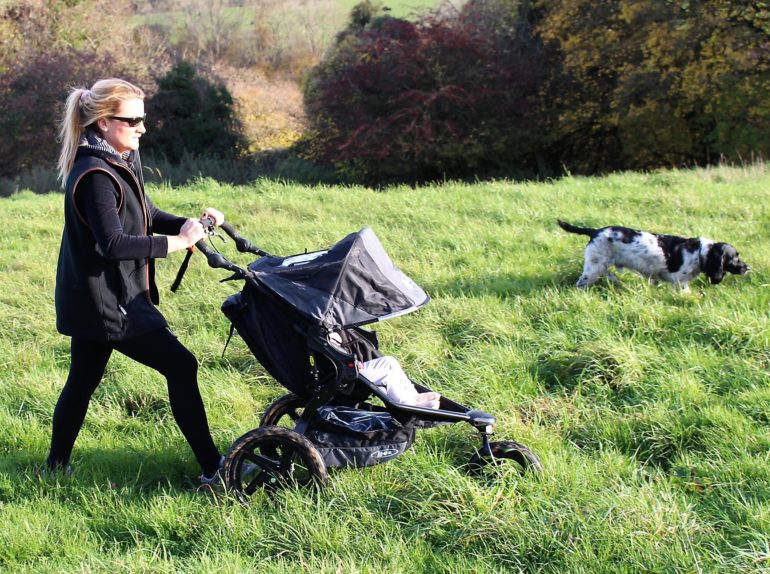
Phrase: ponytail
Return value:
(70, 131)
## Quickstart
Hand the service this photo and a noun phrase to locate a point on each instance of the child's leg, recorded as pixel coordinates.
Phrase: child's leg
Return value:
(387, 372)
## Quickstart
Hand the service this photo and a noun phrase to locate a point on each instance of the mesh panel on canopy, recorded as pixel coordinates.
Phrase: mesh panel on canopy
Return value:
(352, 283)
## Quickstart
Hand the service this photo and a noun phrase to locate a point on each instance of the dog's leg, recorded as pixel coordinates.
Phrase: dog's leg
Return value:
(613, 278)
(651, 279)
(591, 274)
(595, 265)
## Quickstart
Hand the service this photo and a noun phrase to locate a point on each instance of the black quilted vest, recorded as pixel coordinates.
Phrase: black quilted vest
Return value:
(99, 298)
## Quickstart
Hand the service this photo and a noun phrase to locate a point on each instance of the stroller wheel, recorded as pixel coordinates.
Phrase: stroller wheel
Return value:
(502, 451)
(271, 458)
(283, 412)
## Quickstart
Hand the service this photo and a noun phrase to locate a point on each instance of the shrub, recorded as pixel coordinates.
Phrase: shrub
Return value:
(32, 96)
(190, 115)
(446, 97)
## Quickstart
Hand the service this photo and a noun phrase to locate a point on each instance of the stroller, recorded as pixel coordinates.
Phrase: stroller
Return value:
(333, 416)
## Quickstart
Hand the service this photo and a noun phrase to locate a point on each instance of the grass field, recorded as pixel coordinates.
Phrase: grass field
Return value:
(649, 408)
(246, 14)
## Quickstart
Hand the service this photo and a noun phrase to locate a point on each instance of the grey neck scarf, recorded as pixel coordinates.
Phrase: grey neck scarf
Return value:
(93, 140)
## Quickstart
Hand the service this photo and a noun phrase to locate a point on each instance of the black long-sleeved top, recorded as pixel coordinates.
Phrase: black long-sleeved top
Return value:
(105, 280)
(95, 200)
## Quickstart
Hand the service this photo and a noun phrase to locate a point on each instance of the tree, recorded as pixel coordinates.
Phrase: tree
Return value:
(643, 84)
(207, 28)
(191, 115)
(447, 96)
(30, 29)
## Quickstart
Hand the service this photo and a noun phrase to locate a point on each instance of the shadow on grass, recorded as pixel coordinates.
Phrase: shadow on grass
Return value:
(127, 472)
(283, 164)
(286, 165)
(289, 165)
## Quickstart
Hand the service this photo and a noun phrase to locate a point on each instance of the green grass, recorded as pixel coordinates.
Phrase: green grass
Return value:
(398, 8)
(648, 407)
(245, 15)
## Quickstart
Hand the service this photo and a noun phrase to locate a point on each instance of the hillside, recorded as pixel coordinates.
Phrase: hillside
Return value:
(649, 408)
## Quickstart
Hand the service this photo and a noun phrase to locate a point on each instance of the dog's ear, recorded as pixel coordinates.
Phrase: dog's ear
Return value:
(715, 264)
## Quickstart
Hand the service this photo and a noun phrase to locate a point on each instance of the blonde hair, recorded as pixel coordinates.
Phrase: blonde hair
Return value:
(85, 107)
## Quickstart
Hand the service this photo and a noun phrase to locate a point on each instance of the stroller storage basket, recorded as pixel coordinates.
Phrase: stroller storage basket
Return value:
(346, 436)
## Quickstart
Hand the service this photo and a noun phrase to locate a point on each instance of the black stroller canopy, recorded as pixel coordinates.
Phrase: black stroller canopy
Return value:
(352, 283)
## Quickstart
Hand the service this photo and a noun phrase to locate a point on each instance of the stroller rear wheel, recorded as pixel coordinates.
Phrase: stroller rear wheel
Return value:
(272, 458)
(502, 451)
(283, 412)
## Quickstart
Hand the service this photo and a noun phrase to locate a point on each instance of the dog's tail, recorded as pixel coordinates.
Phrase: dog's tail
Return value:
(591, 232)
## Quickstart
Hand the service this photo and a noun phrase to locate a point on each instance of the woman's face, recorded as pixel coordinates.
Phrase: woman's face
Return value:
(117, 130)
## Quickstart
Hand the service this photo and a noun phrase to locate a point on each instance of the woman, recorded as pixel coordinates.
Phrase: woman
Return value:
(105, 285)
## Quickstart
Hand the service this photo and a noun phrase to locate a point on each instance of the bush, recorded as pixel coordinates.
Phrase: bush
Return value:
(32, 96)
(447, 97)
(190, 115)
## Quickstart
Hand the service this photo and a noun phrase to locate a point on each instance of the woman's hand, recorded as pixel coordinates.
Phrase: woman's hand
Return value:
(191, 232)
(216, 216)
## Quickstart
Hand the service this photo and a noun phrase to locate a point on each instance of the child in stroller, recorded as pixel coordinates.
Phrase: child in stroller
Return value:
(302, 317)
(386, 372)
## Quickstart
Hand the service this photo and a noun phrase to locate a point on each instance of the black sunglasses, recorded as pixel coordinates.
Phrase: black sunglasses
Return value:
(132, 122)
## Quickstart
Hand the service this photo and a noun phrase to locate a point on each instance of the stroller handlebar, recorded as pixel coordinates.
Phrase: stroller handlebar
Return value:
(217, 260)
(241, 243)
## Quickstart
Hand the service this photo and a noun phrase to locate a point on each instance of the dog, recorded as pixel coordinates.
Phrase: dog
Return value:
(677, 260)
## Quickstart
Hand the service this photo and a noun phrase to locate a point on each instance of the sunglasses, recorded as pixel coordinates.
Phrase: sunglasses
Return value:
(132, 122)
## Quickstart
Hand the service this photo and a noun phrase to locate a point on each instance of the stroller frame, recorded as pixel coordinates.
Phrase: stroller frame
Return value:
(272, 456)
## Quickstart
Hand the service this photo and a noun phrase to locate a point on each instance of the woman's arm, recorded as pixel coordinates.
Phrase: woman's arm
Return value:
(97, 201)
(174, 226)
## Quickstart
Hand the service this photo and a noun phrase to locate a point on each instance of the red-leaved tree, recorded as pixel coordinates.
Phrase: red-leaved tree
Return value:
(449, 96)
(32, 96)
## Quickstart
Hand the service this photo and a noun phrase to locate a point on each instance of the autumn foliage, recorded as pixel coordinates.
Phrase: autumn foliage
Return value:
(639, 84)
(446, 96)
(544, 86)
(492, 88)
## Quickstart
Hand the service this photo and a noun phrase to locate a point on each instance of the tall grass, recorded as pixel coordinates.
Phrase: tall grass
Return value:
(648, 407)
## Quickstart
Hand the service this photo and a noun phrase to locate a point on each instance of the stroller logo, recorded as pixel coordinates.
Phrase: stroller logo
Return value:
(385, 453)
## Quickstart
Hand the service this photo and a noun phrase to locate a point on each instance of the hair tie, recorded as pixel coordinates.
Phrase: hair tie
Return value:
(84, 94)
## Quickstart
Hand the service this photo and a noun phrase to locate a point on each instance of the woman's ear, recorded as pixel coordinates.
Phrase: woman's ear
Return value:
(715, 263)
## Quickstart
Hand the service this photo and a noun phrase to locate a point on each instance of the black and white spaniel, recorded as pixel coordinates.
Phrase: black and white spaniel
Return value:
(677, 260)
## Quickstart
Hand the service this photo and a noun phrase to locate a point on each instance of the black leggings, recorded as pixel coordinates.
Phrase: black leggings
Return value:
(159, 350)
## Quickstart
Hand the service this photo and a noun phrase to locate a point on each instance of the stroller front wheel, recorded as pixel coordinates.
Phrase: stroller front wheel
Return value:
(505, 450)
(271, 458)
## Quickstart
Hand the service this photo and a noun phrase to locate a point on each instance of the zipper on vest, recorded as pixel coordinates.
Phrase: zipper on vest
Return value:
(122, 310)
